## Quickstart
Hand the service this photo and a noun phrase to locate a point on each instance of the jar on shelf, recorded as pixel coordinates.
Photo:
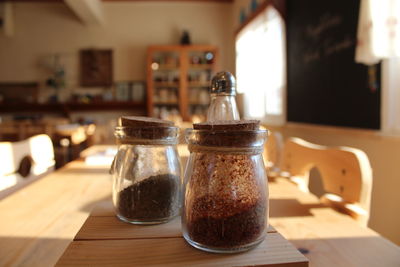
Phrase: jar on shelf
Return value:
(225, 205)
(146, 171)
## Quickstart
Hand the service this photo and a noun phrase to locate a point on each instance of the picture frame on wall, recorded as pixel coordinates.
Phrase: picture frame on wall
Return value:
(96, 68)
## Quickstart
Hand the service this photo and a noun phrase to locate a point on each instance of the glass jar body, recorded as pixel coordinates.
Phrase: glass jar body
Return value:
(146, 183)
(225, 207)
(222, 107)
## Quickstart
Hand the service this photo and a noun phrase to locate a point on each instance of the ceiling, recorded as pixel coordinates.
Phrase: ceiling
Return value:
(226, 1)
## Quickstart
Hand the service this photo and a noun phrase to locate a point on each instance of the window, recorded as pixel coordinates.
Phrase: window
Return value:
(261, 67)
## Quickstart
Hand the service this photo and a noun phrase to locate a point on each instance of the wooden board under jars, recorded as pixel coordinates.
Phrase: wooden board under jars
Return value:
(106, 241)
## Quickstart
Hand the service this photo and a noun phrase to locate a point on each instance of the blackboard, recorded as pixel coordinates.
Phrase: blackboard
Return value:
(325, 85)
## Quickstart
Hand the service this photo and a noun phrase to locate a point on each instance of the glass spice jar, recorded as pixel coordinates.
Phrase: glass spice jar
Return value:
(222, 94)
(225, 205)
(146, 171)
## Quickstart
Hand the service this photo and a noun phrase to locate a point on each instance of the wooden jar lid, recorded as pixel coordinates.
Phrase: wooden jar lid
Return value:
(139, 121)
(231, 125)
(227, 133)
(137, 127)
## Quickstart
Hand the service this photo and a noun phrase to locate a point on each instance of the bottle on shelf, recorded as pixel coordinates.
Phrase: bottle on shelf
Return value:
(223, 103)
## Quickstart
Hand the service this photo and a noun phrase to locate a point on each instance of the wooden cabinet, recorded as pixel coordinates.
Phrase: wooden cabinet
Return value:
(178, 79)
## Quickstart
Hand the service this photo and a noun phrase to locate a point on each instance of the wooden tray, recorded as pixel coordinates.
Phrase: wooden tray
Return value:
(106, 241)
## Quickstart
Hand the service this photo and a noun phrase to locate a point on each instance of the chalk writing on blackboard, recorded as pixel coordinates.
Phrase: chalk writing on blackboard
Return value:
(325, 22)
(324, 81)
(310, 56)
(320, 36)
(332, 47)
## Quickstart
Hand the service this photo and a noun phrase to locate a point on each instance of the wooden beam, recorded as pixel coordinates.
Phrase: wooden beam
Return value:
(90, 12)
(253, 15)
(58, 1)
(220, 1)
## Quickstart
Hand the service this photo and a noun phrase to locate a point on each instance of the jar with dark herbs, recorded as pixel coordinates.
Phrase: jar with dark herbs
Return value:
(146, 171)
(225, 205)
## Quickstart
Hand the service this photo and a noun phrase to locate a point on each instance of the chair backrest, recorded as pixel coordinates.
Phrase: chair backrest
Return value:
(24, 161)
(346, 174)
(272, 153)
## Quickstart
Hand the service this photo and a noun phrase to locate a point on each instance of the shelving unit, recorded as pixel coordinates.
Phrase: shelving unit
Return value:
(70, 106)
(178, 79)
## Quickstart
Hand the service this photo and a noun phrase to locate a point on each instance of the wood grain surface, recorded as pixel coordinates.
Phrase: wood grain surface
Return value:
(274, 251)
(40, 221)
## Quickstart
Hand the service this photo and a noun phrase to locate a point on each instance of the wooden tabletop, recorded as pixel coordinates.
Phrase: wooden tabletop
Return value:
(40, 221)
(326, 237)
(104, 240)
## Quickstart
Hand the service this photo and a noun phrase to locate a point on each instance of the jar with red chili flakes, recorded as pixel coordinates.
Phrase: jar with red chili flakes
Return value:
(225, 207)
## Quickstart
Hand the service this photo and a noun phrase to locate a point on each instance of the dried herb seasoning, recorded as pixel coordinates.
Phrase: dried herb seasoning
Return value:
(146, 169)
(241, 228)
(155, 198)
(226, 198)
(230, 207)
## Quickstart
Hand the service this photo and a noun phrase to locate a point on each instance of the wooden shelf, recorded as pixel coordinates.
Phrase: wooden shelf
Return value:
(199, 84)
(166, 84)
(112, 105)
(199, 104)
(201, 67)
(24, 107)
(166, 103)
(69, 106)
(167, 67)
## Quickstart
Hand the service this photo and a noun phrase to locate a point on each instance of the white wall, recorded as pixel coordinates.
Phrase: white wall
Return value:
(42, 29)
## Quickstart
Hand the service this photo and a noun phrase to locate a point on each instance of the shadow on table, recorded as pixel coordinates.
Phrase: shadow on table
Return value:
(89, 170)
(349, 251)
(290, 207)
(27, 251)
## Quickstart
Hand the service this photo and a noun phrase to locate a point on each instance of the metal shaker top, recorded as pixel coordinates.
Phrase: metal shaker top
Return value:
(223, 83)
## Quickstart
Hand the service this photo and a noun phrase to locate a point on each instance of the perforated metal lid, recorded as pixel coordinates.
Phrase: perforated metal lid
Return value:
(223, 83)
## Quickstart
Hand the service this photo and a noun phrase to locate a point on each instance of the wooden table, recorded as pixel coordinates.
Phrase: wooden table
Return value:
(327, 237)
(39, 222)
(106, 241)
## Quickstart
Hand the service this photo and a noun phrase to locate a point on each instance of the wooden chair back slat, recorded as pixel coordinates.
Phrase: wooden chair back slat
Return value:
(346, 174)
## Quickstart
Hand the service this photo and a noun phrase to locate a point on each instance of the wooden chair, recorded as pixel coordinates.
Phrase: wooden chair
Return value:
(272, 153)
(346, 174)
(24, 162)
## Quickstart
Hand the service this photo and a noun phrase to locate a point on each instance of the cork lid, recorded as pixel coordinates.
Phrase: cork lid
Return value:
(139, 121)
(230, 125)
(141, 130)
(238, 133)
